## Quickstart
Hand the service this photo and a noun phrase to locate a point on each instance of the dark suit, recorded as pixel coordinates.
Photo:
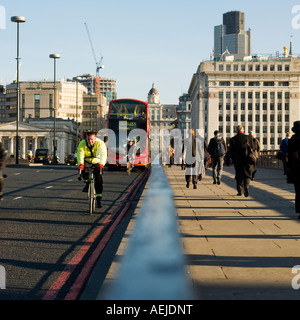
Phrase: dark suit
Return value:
(243, 169)
(294, 166)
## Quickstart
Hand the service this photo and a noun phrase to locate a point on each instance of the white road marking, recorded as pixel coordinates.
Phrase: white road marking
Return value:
(17, 198)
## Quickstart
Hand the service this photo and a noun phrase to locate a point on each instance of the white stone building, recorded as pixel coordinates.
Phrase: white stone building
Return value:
(38, 134)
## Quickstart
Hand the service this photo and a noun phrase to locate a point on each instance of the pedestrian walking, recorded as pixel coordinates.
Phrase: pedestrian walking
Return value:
(284, 150)
(205, 161)
(256, 150)
(244, 167)
(130, 156)
(217, 150)
(182, 156)
(172, 153)
(294, 163)
(193, 158)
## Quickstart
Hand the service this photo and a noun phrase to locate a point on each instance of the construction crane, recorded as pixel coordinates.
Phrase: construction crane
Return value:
(99, 65)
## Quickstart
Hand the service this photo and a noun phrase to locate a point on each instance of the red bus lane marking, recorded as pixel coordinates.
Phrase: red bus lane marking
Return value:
(88, 267)
(55, 288)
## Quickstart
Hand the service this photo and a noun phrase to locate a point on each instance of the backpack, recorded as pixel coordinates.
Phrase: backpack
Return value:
(251, 155)
(219, 149)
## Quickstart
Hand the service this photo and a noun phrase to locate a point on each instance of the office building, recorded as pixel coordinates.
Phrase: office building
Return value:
(262, 95)
(94, 113)
(183, 113)
(105, 86)
(36, 100)
(231, 39)
(161, 116)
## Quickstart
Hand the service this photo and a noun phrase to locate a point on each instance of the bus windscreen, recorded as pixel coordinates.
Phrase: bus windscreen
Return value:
(128, 110)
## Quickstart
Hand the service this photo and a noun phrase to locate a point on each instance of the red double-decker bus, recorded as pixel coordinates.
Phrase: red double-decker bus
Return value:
(129, 120)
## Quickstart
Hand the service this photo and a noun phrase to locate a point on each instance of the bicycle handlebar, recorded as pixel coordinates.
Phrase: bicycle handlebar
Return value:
(92, 167)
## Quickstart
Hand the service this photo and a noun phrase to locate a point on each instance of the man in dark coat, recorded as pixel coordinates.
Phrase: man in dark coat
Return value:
(217, 149)
(190, 144)
(243, 167)
(294, 163)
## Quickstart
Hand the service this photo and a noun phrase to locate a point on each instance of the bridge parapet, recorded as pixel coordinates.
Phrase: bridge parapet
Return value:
(267, 160)
(153, 267)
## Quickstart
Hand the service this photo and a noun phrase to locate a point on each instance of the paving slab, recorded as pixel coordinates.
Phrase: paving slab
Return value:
(238, 248)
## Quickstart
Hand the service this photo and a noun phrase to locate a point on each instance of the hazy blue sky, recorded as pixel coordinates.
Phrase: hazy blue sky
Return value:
(141, 41)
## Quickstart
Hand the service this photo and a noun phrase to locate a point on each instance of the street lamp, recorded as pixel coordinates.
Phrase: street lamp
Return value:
(77, 79)
(18, 20)
(54, 57)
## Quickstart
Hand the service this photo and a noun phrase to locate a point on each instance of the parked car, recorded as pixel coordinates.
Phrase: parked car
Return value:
(42, 156)
(71, 160)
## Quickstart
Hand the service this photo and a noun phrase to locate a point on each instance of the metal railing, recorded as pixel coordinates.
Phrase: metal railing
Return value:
(153, 267)
(267, 160)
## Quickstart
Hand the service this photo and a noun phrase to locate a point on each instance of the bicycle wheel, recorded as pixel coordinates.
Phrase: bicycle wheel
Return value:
(92, 199)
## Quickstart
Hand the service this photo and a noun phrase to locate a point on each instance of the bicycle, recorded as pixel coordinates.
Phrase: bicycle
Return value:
(91, 191)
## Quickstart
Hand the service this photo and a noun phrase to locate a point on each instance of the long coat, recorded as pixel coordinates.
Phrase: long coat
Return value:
(294, 158)
(238, 152)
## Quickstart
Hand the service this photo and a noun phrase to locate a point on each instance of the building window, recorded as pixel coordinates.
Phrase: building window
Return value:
(283, 84)
(37, 105)
(224, 83)
(254, 83)
(221, 67)
(269, 84)
(239, 83)
(265, 95)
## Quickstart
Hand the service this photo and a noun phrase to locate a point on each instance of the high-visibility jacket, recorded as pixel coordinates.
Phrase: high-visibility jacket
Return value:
(97, 156)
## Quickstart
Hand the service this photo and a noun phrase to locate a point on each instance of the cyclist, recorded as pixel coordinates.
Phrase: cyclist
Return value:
(131, 152)
(3, 155)
(92, 152)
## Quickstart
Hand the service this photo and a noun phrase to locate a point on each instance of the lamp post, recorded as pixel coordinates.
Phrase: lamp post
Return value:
(18, 20)
(77, 79)
(54, 57)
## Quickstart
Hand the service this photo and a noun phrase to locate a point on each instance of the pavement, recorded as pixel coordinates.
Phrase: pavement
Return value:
(236, 248)
(239, 248)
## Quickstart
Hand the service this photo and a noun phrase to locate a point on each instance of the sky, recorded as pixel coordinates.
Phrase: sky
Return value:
(141, 42)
